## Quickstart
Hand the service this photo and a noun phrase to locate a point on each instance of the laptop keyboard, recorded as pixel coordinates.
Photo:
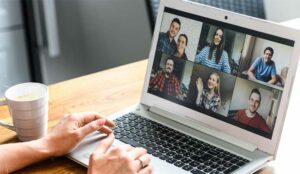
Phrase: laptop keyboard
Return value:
(175, 147)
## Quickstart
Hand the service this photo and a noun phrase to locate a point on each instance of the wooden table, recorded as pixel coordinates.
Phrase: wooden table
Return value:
(106, 92)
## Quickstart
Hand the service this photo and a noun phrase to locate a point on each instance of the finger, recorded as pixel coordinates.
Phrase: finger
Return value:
(105, 144)
(146, 170)
(87, 117)
(91, 127)
(109, 123)
(105, 130)
(137, 152)
(142, 161)
(119, 149)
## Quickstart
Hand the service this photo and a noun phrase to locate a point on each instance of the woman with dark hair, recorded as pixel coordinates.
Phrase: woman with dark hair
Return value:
(214, 55)
(180, 46)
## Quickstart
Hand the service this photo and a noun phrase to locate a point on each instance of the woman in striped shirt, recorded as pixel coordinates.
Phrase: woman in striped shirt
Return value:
(214, 55)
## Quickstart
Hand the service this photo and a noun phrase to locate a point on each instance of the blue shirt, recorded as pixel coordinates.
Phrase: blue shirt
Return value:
(223, 65)
(263, 71)
(165, 45)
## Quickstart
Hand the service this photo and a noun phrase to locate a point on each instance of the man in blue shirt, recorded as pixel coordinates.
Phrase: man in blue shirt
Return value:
(263, 68)
(166, 42)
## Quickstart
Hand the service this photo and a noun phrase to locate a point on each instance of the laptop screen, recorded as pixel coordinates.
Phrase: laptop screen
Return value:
(227, 72)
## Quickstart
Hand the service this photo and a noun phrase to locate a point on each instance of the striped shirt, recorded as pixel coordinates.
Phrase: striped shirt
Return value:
(223, 65)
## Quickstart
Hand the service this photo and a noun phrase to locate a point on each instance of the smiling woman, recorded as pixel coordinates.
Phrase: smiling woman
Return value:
(209, 98)
(181, 45)
(214, 55)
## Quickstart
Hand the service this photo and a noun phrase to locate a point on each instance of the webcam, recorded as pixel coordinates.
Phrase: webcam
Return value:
(225, 17)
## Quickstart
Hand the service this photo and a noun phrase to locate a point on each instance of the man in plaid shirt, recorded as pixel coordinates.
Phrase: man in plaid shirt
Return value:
(165, 82)
(166, 42)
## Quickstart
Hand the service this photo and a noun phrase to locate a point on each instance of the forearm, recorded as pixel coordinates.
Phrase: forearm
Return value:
(198, 98)
(251, 75)
(272, 81)
(16, 156)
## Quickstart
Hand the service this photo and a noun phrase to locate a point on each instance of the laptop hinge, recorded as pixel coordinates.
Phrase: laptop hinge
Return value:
(199, 126)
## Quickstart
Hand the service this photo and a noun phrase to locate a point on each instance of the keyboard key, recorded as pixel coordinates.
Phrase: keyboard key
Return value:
(197, 172)
(175, 147)
(163, 157)
(178, 157)
(221, 168)
(179, 164)
(186, 160)
(133, 143)
(194, 164)
(231, 169)
(215, 172)
(171, 160)
(240, 163)
(207, 169)
(156, 154)
(187, 167)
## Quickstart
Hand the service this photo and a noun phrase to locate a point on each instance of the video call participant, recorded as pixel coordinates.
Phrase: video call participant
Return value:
(263, 68)
(250, 116)
(181, 45)
(214, 55)
(165, 81)
(209, 98)
(166, 42)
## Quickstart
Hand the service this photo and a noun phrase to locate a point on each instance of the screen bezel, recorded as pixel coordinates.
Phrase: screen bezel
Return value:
(264, 144)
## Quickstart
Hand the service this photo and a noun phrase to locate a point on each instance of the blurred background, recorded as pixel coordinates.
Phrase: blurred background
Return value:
(50, 41)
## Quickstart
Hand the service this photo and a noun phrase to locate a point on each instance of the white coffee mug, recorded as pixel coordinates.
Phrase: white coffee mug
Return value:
(28, 107)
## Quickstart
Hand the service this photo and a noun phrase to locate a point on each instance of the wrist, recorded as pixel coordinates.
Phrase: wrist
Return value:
(45, 147)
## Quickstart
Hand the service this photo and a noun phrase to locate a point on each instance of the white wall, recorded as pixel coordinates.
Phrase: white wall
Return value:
(282, 10)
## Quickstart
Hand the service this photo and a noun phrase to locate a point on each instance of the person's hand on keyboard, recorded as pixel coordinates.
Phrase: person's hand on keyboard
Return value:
(72, 128)
(121, 159)
(62, 139)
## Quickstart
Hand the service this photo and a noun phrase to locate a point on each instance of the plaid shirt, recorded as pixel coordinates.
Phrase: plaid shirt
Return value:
(159, 81)
(212, 104)
(165, 45)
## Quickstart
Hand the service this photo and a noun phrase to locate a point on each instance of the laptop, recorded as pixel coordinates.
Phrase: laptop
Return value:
(215, 93)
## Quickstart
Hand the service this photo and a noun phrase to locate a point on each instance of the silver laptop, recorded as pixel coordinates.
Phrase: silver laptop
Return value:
(215, 94)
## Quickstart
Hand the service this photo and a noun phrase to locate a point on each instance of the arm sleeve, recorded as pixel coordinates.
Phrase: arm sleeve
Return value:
(225, 64)
(201, 56)
(273, 71)
(255, 63)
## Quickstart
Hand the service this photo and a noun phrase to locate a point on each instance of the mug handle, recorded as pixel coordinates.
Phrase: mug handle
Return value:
(3, 101)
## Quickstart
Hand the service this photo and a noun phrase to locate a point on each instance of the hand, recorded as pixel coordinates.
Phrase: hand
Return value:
(118, 160)
(72, 129)
(199, 84)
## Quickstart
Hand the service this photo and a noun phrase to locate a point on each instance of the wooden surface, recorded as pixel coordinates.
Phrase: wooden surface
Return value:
(109, 91)
(105, 92)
